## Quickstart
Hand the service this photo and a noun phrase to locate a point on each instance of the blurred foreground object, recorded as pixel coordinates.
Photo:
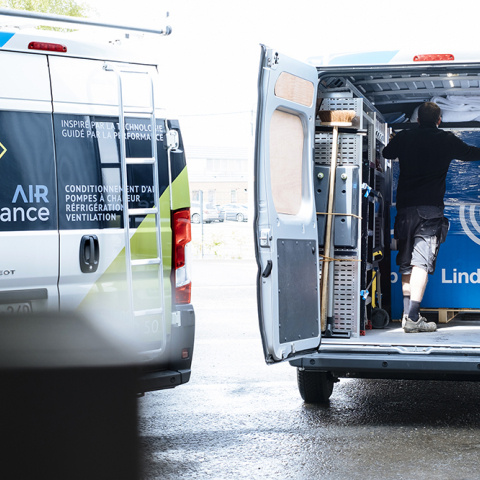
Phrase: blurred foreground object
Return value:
(67, 400)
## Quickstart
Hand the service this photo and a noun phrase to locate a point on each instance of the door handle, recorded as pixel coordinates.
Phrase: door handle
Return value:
(268, 269)
(89, 253)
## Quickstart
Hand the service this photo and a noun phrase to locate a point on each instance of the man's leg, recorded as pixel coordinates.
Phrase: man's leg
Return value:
(417, 284)
(423, 254)
(406, 297)
(406, 290)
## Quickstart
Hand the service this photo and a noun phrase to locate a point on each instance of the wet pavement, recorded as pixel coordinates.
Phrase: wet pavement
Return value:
(239, 418)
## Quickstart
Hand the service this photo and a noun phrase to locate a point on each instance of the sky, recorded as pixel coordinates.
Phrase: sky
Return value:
(209, 64)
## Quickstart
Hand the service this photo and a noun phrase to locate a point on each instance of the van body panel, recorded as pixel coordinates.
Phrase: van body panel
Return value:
(86, 44)
(25, 83)
(411, 56)
(93, 85)
(286, 239)
(28, 205)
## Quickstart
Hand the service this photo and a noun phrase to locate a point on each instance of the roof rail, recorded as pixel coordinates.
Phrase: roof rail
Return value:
(50, 18)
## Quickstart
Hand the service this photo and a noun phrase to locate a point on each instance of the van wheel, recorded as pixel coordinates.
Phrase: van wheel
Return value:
(239, 217)
(315, 387)
(195, 218)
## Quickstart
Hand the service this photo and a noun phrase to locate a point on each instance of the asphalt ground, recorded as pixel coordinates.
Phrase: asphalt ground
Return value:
(238, 418)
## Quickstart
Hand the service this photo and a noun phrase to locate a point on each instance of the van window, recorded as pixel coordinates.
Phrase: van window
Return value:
(89, 169)
(295, 89)
(286, 154)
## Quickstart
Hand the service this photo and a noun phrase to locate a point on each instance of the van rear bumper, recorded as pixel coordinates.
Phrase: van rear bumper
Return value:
(152, 381)
(176, 370)
(399, 366)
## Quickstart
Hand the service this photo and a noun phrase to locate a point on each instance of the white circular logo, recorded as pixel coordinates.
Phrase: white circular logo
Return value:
(469, 223)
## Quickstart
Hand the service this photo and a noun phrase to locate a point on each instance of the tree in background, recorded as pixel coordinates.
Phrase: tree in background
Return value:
(59, 7)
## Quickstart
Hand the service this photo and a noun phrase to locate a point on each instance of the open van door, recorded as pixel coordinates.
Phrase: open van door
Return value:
(286, 237)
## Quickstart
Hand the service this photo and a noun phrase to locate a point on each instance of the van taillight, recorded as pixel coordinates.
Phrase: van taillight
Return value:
(434, 57)
(182, 236)
(49, 47)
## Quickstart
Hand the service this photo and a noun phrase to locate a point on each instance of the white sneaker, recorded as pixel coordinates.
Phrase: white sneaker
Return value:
(404, 320)
(421, 325)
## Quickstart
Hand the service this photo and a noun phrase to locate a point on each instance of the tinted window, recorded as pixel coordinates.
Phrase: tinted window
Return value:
(89, 170)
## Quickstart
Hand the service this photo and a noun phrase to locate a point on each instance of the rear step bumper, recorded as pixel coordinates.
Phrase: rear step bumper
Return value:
(152, 381)
(401, 366)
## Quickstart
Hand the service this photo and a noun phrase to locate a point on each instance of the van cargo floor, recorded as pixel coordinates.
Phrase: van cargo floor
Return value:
(457, 332)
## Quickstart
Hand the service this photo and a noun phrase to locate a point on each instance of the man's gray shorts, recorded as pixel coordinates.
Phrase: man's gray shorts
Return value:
(419, 231)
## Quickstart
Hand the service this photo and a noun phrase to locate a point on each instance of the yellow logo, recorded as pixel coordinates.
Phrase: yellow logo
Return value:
(2, 150)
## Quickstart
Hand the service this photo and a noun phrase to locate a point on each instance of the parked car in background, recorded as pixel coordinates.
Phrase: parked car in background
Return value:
(210, 213)
(234, 211)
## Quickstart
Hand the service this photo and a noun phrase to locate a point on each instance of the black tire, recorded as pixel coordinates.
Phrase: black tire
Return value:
(240, 217)
(315, 387)
(195, 218)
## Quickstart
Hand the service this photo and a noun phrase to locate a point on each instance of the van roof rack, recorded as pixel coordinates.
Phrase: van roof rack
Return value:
(50, 19)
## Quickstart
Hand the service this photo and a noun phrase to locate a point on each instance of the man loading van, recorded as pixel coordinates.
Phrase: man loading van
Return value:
(424, 155)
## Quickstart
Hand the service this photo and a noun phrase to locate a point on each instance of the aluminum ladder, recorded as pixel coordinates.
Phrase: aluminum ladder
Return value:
(131, 264)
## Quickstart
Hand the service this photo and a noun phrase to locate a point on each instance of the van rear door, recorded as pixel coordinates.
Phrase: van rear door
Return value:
(286, 238)
(93, 253)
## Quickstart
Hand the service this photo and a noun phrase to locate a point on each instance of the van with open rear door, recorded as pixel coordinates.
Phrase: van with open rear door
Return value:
(325, 195)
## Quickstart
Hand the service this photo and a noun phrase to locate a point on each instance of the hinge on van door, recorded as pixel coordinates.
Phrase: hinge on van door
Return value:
(265, 237)
(172, 140)
(272, 59)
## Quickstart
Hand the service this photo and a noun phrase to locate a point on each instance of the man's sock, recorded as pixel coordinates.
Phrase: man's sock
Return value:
(406, 305)
(414, 311)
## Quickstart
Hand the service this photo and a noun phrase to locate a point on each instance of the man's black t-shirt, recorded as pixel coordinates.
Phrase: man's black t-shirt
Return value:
(425, 154)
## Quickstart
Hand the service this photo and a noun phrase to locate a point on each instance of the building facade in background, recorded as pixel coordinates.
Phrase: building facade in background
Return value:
(221, 173)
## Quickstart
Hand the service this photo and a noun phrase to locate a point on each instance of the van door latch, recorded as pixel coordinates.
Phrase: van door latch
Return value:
(89, 253)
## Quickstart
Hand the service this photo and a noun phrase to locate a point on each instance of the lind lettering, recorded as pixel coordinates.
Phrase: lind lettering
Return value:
(454, 276)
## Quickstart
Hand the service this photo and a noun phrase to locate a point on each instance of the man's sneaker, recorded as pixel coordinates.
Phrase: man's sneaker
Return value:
(421, 325)
(404, 320)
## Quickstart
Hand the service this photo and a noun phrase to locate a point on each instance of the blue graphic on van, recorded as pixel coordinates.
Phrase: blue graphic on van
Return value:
(5, 37)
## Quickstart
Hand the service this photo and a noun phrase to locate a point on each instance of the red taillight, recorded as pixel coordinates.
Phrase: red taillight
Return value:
(182, 231)
(434, 57)
(182, 235)
(49, 47)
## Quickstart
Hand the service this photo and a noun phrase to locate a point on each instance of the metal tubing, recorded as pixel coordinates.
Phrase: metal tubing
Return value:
(50, 17)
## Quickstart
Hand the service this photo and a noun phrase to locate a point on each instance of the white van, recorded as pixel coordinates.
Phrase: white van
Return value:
(345, 326)
(94, 194)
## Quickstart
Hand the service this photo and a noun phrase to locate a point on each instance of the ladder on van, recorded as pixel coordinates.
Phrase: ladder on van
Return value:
(133, 265)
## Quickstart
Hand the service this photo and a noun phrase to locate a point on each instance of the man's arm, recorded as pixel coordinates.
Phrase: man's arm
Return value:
(461, 150)
(392, 150)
